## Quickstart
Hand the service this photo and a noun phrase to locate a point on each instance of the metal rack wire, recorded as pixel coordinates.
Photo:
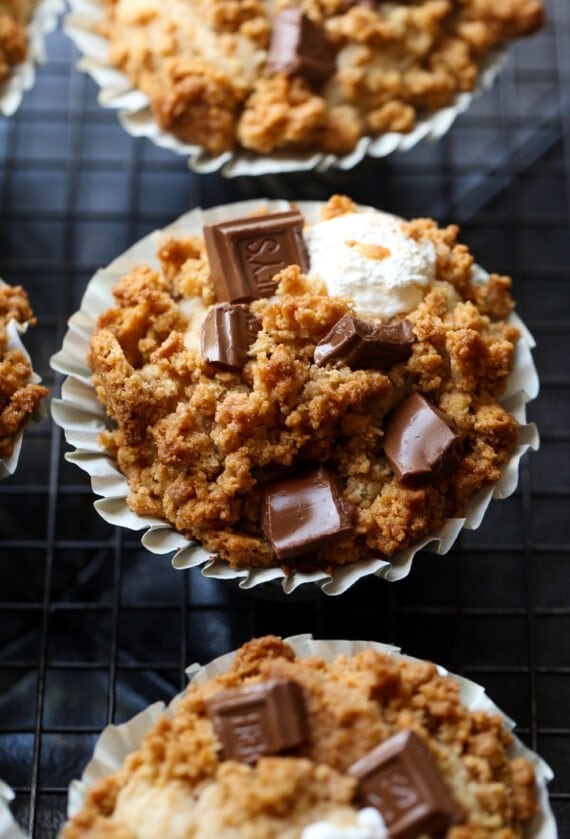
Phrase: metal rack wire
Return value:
(92, 627)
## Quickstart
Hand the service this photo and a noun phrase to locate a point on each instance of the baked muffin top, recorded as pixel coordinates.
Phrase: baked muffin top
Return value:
(14, 16)
(271, 75)
(298, 454)
(188, 779)
(19, 397)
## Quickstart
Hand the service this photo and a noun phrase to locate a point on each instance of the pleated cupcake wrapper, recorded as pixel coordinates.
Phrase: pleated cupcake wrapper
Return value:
(135, 114)
(8, 827)
(117, 741)
(22, 76)
(83, 418)
(15, 330)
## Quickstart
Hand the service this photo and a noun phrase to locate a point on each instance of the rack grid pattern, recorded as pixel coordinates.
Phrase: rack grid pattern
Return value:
(92, 627)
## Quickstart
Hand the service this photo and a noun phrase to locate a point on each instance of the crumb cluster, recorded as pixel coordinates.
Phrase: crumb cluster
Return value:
(14, 15)
(202, 63)
(198, 444)
(19, 397)
(177, 785)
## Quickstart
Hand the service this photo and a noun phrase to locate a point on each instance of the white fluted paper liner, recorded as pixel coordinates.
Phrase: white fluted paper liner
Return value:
(22, 76)
(15, 330)
(82, 418)
(8, 827)
(117, 741)
(135, 115)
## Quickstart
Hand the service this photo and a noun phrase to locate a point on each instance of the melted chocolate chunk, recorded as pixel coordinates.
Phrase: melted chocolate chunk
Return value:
(401, 780)
(300, 48)
(264, 719)
(245, 254)
(227, 333)
(419, 442)
(305, 514)
(364, 346)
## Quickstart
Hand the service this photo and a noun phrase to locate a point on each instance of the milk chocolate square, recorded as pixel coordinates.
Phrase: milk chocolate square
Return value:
(260, 720)
(365, 346)
(401, 780)
(300, 48)
(227, 333)
(419, 442)
(305, 514)
(245, 254)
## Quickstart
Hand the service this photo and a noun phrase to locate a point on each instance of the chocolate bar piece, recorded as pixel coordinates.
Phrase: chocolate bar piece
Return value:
(264, 719)
(401, 780)
(227, 333)
(300, 48)
(364, 346)
(419, 442)
(305, 514)
(245, 254)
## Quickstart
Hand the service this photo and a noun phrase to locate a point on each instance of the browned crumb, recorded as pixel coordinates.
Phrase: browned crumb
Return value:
(13, 35)
(353, 704)
(197, 445)
(202, 65)
(19, 398)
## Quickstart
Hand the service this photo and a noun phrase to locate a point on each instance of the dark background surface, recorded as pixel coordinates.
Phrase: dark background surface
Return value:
(92, 627)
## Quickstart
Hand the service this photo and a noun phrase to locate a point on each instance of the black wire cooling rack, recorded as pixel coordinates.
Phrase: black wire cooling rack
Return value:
(92, 627)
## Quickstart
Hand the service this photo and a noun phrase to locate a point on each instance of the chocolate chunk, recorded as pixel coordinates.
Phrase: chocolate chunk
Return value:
(419, 442)
(300, 48)
(227, 333)
(363, 346)
(264, 719)
(305, 514)
(401, 780)
(245, 254)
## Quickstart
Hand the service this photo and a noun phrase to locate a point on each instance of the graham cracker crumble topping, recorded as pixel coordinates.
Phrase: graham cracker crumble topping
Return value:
(14, 15)
(19, 398)
(176, 784)
(202, 65)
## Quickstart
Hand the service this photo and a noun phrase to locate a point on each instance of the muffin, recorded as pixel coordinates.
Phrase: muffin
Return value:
(315, 739)
(23, 25)
(20, 394)
(278, 425)
(8, 827)
(295, 77)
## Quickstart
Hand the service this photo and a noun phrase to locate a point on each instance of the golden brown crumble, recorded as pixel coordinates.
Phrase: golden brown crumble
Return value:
(202, 64)
(178, 779)
(197, 444)
(19, 398)
(14, 16)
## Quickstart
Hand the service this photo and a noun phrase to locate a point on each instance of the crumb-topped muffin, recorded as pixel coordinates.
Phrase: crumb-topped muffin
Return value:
(19, 397)
(14, 17)
(288, 75)
(369, 745)
(306, 397)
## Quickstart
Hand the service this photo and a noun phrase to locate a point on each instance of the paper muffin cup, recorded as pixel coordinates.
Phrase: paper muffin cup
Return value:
(83, 418)
(135, 115)
(117, 741)
(15, 330)
(8, 827)
(22, 76)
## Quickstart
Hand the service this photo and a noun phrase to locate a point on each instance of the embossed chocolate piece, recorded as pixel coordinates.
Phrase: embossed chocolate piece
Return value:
(363, 346)
(227, 333)
(300, 48)
(305, 514)
(401, 780)
(419, 443)
(245, 254)
(264, 719)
